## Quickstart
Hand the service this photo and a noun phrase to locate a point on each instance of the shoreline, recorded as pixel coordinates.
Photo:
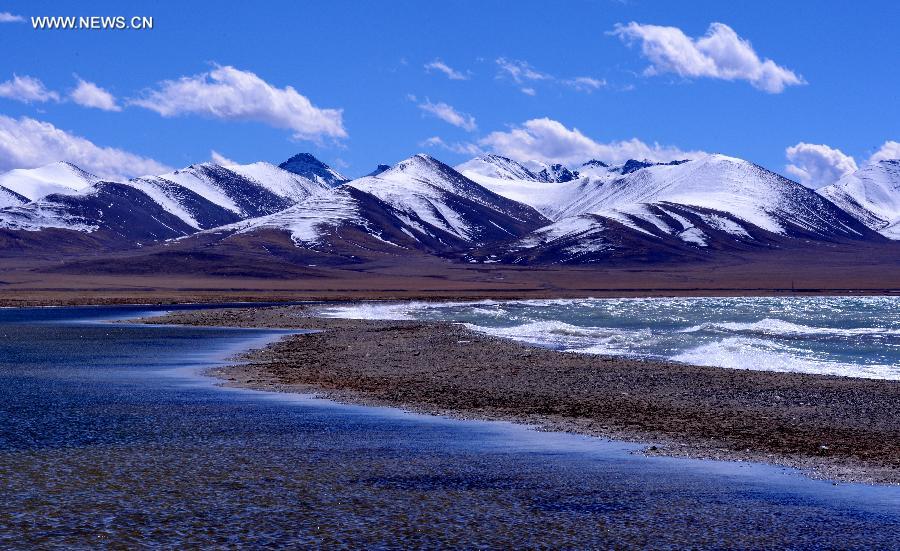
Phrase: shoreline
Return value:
(103, 298)
(836, 428)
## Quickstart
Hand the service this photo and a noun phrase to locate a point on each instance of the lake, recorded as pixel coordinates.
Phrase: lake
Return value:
(109, 437)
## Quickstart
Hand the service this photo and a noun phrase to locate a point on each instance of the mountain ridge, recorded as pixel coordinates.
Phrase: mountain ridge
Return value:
(488, 209)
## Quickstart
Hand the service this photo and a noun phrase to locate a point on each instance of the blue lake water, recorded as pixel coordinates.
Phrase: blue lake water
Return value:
(109, 438)
(848, 336)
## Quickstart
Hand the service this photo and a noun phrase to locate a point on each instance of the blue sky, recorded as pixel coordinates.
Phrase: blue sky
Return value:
(562, 64)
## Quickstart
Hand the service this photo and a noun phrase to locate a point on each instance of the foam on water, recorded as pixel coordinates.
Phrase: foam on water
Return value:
(846, 336)
(781, 327)
(762, 355)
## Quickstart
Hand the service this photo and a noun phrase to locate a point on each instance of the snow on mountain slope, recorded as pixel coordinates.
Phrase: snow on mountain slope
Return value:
(209, 195)
(189, 206)
(279, 181)
(9, 198)
(871, 195)
(546, 172)
(426, 189)
(714, 182)
(119, 211)
(718, 183)
(34, 183)
(307, 221)
(247, 190)
(495, 167)
(548, 198)
(343, 221)
(306, 165)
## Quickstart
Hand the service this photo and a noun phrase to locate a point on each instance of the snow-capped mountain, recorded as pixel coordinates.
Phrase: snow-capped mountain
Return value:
(553, 172)
(34, 183)
(9, 198)
(715, 183)
(344, 222)
(115, 210)
(871, 195)
(158, 207)
(432, 196)
(711, 202)
(719, 183)
(306, 165)
(420, 204)
(492, 209)
(246, 190)
(378, 170)
(504, 168)
(496, 167)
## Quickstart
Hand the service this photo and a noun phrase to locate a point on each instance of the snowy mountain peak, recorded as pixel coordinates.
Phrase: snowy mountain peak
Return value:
(631, 165)
(497, 166)
(557, 173)
(871, 195)
(378, 170)
(59, 177)
(308, 166)
(431, 194)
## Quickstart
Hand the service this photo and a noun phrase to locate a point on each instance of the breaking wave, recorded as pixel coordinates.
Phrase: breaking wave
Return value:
(846, 336)
(770, 326)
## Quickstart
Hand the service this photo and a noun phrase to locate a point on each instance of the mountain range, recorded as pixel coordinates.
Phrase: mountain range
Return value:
(489, 210)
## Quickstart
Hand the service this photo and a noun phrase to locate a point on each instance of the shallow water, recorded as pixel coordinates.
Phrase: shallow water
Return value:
(109, 438)
(849, 336)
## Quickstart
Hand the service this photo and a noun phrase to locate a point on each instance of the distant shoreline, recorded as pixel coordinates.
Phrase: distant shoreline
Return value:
(838, 428)
(28, 299)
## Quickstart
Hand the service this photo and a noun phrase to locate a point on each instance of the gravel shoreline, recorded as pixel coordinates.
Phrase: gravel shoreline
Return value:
(839, 428)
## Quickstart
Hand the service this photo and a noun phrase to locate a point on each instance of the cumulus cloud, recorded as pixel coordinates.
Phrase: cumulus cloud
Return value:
(452, 74)
(585, 84)
(889, 150)
(217, 158)
(519, 71)
(27, 90)
(529, 91)
(29, 143)
(549, 140)
(231, 94)
(720, 53)
(6, 17)
(463, 148)
(449, 115)
(817, 165)
(88, 94)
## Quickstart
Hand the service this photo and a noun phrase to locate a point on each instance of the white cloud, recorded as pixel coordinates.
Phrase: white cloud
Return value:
(889, 150)
(585, 84)
(27, 90)
(88, 94)
(219, 159)
(452, 74)
(29, 143)
(449, 115)
(549, 140)
(720, 53)
(529, 91)
(817, 165)
(231, 94)
(463, 148)
(6, 17)
(519, 71)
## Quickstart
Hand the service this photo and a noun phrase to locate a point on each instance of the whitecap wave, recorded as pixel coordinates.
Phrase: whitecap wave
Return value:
(770, 326)
(368, 311)
(558, 334)
(761, 355)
